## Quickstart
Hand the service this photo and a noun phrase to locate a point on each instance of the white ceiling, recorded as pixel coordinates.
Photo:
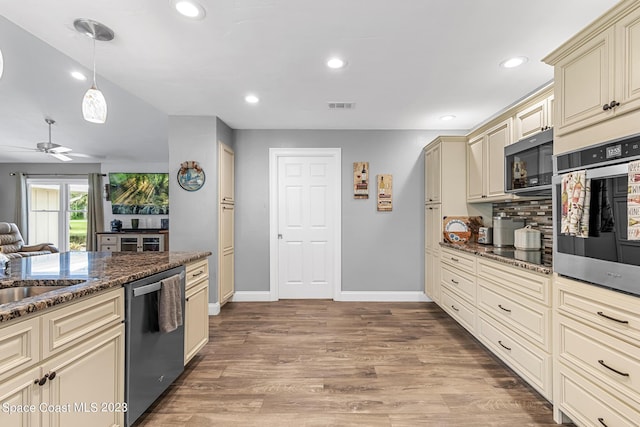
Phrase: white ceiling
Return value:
(409, 63)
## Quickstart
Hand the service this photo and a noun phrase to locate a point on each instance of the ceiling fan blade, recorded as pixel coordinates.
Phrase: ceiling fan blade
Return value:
(60, 149)
(60, 156)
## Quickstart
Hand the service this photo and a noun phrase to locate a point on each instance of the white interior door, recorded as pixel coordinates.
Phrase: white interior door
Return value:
(307, 202)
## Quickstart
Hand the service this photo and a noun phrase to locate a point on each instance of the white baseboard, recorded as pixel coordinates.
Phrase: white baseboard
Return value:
(251, 296)
(214, 308)
(383, 296)
(370, 296)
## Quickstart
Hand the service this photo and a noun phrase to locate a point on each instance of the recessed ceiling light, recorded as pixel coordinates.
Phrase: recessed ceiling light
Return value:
(189, 8)
(514, 62)
(252, 99)
(336, 63)
(78, 75)
(447, 117)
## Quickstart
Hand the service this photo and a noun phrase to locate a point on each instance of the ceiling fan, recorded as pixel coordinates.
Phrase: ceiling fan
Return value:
(55, 150)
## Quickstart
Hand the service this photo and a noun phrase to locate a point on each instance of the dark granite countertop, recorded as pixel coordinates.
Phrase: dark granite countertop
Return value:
(530, 260)
(82, 273)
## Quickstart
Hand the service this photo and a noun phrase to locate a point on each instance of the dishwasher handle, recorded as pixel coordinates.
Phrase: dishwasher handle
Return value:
(147, 289)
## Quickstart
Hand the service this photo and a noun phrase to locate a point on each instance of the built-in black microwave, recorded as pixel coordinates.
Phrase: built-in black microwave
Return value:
(528, 165)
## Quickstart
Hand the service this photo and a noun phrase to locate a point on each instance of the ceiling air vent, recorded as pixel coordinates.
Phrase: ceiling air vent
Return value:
(341, 105)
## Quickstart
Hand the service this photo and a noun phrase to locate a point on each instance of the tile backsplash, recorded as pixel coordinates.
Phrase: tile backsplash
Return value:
(538, 214)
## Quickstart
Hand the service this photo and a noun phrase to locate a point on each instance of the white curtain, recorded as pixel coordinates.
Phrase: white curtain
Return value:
(95, 210)
(22, 208)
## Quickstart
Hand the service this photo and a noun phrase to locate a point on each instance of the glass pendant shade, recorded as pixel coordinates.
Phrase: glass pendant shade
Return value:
(1, 64)
(94, 106)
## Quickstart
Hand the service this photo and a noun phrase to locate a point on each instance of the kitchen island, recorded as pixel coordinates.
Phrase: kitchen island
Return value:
(63, 360)
(82, 274)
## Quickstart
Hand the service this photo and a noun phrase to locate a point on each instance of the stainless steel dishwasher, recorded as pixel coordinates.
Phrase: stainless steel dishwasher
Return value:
(153, 360)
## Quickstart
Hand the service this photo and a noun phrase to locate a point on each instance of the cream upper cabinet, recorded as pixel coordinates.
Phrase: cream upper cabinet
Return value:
(485, 163)
(227, 165)
(534, 119)
(432, 181)
(597, 78)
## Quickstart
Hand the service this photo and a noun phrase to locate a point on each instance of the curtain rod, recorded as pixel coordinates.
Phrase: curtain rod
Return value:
(54, 174)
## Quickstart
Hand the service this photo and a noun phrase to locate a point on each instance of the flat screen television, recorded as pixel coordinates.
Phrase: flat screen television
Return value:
(139, 193)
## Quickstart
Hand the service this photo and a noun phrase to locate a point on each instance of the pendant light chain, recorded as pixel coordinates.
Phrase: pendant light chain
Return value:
(94, 61)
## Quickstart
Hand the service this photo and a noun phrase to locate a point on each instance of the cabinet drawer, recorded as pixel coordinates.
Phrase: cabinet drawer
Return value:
(529, 361)
(529, 319)
(462, 284)
(459, 260)
(108, 240)
(609, 360)
(77, 322)
(461, 311)
(109, 248)
(589, 405)
(19, 346)
(532, 285)
(197, 271)
(609, 311)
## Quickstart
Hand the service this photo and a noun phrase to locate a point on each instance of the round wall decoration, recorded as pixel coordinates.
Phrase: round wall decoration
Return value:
(191, 176)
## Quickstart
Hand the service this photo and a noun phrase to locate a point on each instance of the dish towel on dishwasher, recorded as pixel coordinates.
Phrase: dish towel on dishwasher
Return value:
(170, 304)
(576, 198)
(633, 201)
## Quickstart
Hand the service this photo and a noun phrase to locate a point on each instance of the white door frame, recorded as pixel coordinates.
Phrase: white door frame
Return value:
(274, 155)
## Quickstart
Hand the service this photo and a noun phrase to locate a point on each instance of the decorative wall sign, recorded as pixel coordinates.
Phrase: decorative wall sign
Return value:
(361, 180)
(385, 193)
(191, 176)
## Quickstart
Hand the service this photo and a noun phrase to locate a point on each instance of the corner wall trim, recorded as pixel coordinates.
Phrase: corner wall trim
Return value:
(214, 308)
(383, 296)
(252, 296)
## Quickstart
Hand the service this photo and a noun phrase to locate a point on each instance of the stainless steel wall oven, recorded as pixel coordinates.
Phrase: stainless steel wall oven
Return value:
(606, 257)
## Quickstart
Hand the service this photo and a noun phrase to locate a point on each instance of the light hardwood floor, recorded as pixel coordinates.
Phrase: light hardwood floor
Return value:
(326, 363)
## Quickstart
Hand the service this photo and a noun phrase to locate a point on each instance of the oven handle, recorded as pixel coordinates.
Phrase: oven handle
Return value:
(153, 287)
(603, 172)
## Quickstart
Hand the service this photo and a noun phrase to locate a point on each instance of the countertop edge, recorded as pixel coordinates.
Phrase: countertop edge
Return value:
(485, 253)
(21, 308)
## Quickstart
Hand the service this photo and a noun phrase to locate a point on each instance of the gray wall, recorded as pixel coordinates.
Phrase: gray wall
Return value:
(381, 251)
(8, 183)
(193, 215)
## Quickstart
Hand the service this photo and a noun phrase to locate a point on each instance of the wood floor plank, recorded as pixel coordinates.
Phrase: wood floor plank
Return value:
(325, 363)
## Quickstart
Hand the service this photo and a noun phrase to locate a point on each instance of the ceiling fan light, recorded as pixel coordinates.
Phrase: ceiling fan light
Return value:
(94, 106)
(61, 157)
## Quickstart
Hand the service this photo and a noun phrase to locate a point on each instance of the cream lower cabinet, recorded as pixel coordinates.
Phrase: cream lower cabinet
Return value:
(432, 237)
(506, 308)
(66, 366)
(596, 355)
(226, 260)
(196, 318)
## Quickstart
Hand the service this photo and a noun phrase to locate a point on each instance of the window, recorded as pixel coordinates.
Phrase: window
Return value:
(58, 213)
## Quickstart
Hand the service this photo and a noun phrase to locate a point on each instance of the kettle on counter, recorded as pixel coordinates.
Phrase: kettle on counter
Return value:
(116, 225)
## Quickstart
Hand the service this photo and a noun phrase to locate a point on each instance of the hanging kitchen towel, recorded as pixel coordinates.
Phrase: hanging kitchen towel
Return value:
(170, 304)
(583, 229)
(573, 197)
(633, 201)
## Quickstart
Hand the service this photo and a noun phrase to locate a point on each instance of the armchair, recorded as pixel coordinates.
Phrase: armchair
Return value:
(12, 244)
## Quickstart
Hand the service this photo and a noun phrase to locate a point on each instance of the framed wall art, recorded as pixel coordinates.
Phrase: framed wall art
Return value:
(385, 192)
(361, 180)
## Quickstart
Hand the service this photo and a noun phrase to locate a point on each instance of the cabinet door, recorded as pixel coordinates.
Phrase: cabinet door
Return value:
(152, 243)
(584, 82)
(129, 244)
(475, 174)
(531, 120)
(227, 190)
(432, 183)
(497, 138)
(432, 276)
(196, 319)
(22, 391)
(226, 260)
(90, 379)
(433, 227)
(628, 62)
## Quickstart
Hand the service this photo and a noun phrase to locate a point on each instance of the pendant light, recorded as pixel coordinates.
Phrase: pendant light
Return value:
(1, 64)
(94, 106)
